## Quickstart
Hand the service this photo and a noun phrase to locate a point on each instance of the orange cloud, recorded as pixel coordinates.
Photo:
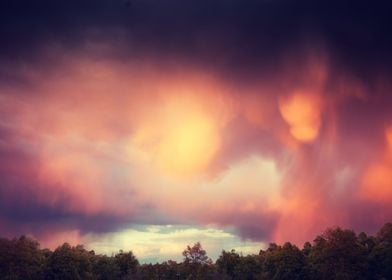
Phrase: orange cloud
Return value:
(302, 110)
(51, 239)
(377, 180)
(377, 183)
(183, 136)
(157, 143)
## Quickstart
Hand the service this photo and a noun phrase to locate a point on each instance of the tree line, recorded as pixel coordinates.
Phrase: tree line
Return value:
(336, 254)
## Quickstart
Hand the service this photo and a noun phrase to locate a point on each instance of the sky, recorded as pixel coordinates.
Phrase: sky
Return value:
(149, 125)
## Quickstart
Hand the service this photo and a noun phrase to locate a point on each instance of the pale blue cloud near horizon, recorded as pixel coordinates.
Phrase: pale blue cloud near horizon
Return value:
(158, 243)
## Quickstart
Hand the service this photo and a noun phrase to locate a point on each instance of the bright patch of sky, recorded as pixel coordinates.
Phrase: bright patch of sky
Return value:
(157, 243)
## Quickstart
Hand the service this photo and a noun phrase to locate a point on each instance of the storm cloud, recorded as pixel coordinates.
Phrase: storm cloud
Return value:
(269, 117)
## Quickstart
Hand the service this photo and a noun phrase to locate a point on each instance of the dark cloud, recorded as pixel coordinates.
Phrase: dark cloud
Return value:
(239, 35)
(256, 226)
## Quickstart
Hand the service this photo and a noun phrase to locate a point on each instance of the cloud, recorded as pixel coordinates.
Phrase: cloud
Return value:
(159, 243)
(303, 113)
(241, 36)
(376, 181)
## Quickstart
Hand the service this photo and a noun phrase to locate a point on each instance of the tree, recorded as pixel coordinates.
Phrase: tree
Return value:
(249, 267)
(227, 262)
(127, 264)
(105, 268)
(197, 265)
(380, 257)
(284, 262)
(337, 254)
(306, 249)
(69, 262)
(148, 272)
(20, 259)
(196, 255)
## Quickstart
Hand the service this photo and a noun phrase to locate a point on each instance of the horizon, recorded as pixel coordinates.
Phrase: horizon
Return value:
(329, 235)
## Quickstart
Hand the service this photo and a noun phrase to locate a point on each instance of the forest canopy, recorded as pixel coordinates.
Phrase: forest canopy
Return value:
(335, 254)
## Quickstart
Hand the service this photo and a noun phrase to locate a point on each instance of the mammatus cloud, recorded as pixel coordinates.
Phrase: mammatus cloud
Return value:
(302, 111)
(160, 114)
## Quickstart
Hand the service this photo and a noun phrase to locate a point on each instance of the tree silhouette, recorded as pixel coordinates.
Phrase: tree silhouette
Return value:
(284, 262)
(337, 254)
(20, 259)
(127, 264)
(196, 255)
(228, 262)
(197, 265)
(69, 262)
(380, 257)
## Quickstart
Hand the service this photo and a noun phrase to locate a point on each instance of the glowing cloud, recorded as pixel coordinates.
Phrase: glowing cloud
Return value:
(181, 134)
(302, 111)
(182, 139)
(99, 145)
(377, 179)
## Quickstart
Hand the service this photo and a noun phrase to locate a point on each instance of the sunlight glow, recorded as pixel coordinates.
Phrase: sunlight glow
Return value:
(188, 144)
(185, 139)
